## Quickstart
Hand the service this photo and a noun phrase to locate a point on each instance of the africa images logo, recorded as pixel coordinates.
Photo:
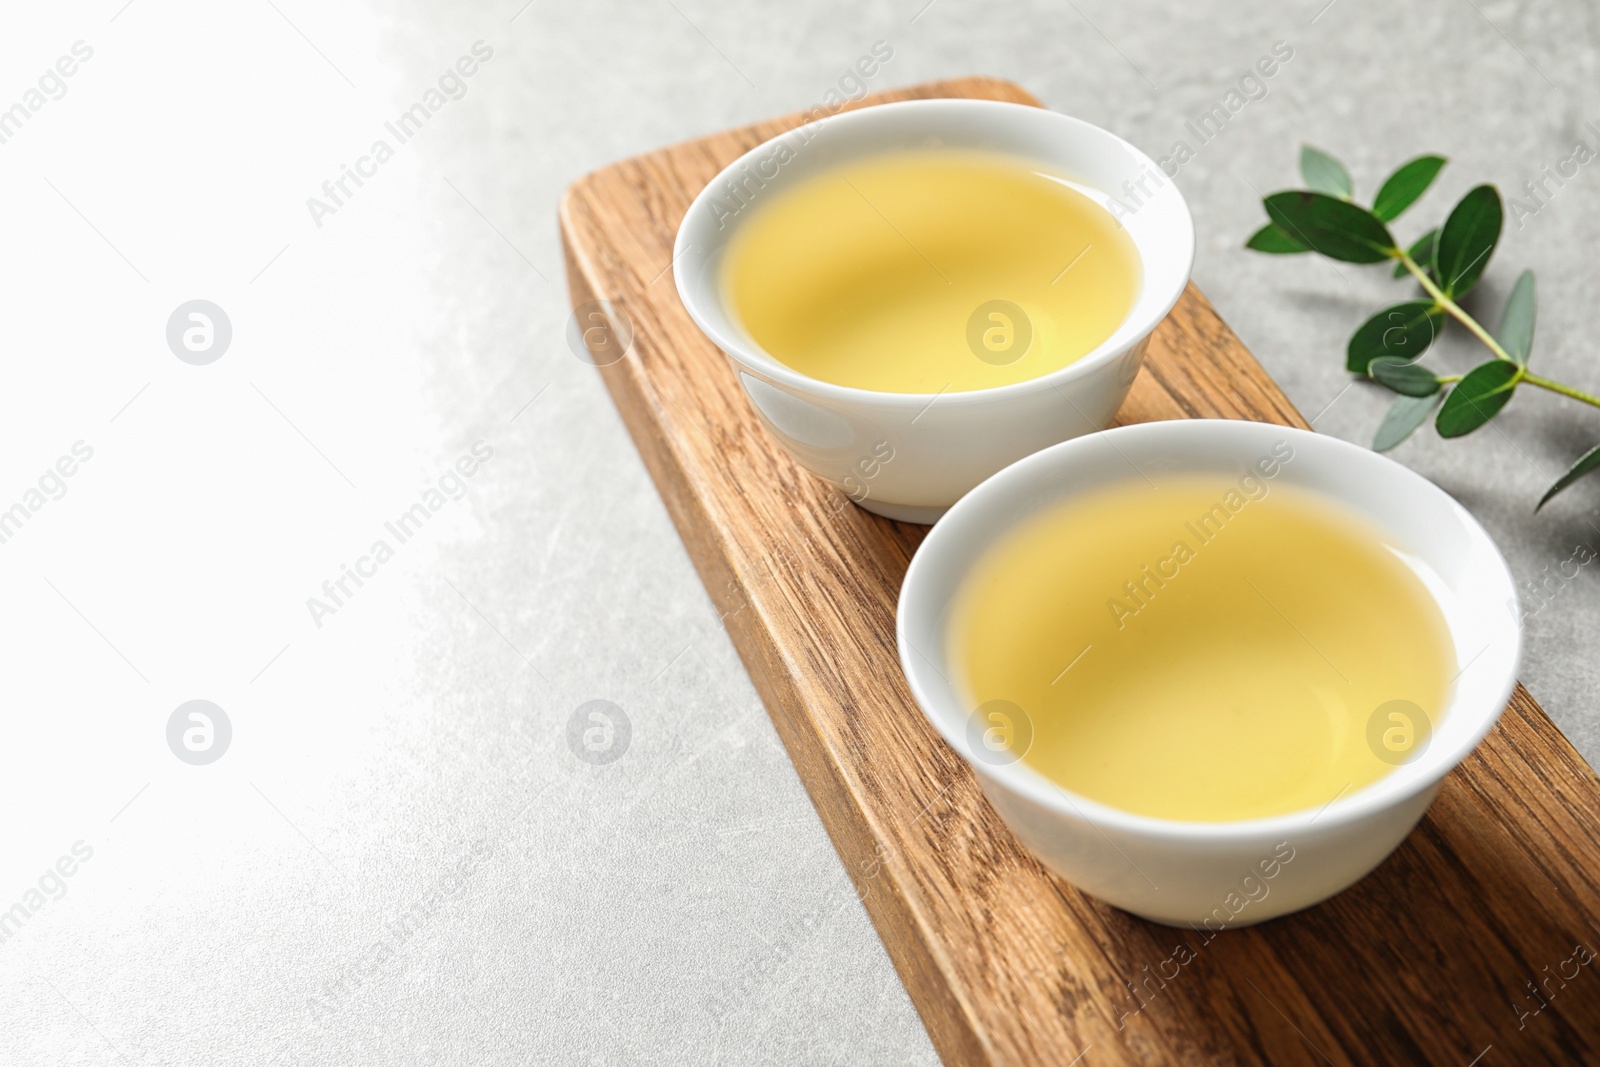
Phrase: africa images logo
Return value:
(452, 85)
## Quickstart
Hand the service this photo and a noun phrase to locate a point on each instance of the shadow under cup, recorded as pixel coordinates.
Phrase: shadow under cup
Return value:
(909, 456)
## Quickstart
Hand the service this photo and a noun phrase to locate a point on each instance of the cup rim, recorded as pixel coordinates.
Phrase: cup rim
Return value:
(1017, 777)
(1103, 354)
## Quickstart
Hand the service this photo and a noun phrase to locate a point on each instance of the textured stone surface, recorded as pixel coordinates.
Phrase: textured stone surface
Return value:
(400, 858)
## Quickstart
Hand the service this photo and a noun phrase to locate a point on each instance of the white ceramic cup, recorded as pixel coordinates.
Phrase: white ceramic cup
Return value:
(938, 445)
(1217, 875)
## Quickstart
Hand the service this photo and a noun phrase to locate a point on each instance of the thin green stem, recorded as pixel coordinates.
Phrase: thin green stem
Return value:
(1472, 324)
(1524, 375)
(1557, 387)
(1450, 306)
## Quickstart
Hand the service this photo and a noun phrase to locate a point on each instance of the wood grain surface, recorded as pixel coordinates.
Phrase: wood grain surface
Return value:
(1444, 955)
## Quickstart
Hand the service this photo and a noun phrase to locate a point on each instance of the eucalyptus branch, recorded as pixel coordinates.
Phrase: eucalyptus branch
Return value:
(1460, 315)
(1446, 262)
(1556, 387)
(1450, 306)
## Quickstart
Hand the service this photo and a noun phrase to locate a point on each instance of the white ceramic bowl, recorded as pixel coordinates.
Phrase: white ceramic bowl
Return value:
(940, 445)
(1215, 874)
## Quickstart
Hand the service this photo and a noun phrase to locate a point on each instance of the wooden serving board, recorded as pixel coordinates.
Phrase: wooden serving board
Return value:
(1444, 955)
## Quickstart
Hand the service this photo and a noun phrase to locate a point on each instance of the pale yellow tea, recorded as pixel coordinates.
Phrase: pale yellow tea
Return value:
(1205, 649)
(930, 271)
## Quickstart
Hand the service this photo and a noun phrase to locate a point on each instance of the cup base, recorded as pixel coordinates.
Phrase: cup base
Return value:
(1197, 924)
(904, 512)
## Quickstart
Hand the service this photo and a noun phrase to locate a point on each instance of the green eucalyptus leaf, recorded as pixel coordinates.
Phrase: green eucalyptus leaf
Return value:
(1401, 332)
(1407, 379)
(1467, 240)
(1588, 462)
(1271, 239)
(1336, 228)
(1477, 398)
(1404, 416)
(1324, 174)
(1516, 325)
(1421, 251)
(1401, 189)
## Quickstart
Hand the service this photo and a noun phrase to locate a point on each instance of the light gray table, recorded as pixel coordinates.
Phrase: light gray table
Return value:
(399, 856)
